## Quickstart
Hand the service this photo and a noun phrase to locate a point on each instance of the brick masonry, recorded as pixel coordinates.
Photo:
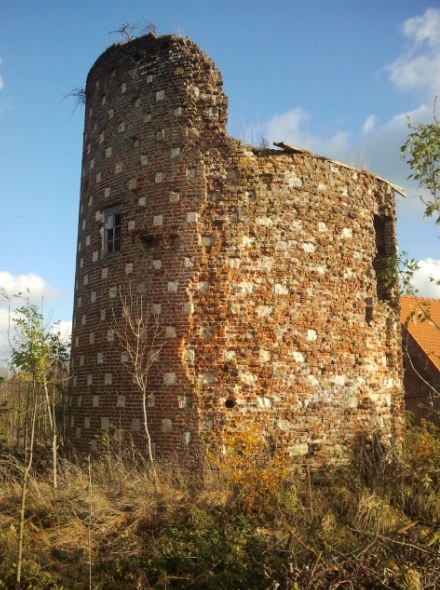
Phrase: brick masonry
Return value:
(263, 269)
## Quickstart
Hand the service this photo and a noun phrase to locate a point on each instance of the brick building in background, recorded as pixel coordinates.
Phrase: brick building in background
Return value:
(263, 269)
(420, 317)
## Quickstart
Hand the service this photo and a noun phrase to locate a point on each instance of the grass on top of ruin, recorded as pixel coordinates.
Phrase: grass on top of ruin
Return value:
(247, 522)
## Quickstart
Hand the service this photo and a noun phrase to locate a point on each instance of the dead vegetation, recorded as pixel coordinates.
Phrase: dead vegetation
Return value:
(373, 524)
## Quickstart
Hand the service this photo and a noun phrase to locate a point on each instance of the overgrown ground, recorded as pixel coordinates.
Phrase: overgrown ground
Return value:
(247, 524)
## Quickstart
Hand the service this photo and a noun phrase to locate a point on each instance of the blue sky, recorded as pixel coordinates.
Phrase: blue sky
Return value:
(337, 77)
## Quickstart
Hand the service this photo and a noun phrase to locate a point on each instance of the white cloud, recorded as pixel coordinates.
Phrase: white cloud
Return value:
(4, 332)
(34, 289)
(380, 144)
(369, 124)
(429, 269)
(292, 127)
(63, 329)
(31, 283)
(419, 67)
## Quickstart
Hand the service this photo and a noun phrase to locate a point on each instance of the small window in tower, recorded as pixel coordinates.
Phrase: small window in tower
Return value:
(385, 253)
(112, 231)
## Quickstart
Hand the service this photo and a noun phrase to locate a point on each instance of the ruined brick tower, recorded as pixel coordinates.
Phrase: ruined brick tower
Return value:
(262, 268)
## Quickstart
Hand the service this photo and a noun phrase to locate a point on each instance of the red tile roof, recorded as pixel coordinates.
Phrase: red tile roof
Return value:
(421, 317)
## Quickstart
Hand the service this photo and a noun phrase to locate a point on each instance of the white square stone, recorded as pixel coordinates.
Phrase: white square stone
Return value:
(170, 332)
(128, 268)
(158, 220)
(190, 356)
(104, 273)
(108, 379)
(167, 425)
(170, 378)
(154, 355)
(191, 217)
(311, 335)
(173, 286)
(229, 355)
(95, 401)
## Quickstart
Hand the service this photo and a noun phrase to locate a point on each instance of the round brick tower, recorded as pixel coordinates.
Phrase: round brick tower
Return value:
(151, 104)
(258, 272)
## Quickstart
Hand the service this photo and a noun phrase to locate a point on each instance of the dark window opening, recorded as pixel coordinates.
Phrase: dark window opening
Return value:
(176, 242)
(149, 243)
(229, 403)
(112, 231)
(384, 261)
(369, 310)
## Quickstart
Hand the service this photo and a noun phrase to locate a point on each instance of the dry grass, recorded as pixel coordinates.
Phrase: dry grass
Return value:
(362, 527)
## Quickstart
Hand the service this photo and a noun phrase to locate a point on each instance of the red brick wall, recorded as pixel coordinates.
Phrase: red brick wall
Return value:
(421, 382)
(259, 266)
